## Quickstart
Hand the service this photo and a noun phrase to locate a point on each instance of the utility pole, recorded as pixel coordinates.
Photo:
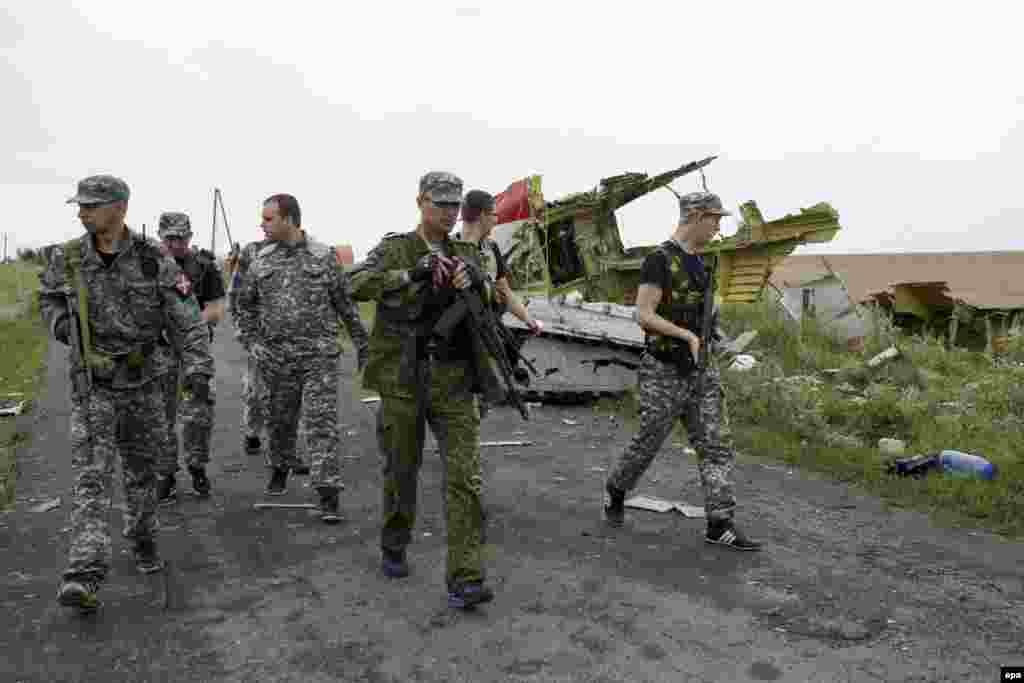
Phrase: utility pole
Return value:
(213, 231)
(5, 247)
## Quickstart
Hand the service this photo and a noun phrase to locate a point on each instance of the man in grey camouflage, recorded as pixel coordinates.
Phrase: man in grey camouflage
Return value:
(109, 295)
(674, 281)
(207, 285)
(289, 306)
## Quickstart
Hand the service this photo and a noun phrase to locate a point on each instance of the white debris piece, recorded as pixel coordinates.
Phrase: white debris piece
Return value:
(661, 505)
(743, 362)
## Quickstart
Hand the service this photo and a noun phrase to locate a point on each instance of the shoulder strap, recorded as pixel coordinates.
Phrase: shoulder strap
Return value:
(73, 274)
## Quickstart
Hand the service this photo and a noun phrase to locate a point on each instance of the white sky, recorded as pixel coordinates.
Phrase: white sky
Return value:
(905, 116)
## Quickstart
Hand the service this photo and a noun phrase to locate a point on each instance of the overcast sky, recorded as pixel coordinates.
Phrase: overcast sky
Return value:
(905, 116)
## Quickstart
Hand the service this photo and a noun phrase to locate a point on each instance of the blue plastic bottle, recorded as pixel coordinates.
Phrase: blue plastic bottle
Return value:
(966, 466)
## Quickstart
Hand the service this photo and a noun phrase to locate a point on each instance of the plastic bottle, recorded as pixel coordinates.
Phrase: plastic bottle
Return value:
(966, 466)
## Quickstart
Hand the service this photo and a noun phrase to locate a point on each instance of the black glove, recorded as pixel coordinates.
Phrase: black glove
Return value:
(199, 387)
(423, 269)
(62, 330)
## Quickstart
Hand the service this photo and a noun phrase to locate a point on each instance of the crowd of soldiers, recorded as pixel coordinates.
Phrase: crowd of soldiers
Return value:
(139, 316)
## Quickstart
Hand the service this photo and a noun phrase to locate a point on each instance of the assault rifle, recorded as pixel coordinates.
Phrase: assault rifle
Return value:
(489, 333)
(707, 328)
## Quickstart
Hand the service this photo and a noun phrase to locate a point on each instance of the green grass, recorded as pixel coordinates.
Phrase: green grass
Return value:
(21, 364)
(816, 424)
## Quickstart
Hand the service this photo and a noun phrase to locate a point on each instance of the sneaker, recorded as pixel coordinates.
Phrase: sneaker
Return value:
(147, 560)
(726, 533)
(200, 482)
(166, 490)
(329, 513)
(469, 595)
(252, 445)
(614, 506)
(278, 483)
(80, 593)
(394, 564)
(299, 467)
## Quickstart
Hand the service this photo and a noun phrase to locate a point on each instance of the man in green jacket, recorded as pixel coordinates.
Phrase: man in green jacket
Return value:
(415, 277)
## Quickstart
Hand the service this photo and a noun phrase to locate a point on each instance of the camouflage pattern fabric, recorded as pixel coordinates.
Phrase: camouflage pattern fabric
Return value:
(254, 398)
(306, 390)
(131, 303)
(664, 396)
(100, 189)
(290, 301)
(196, 420)
(129, 309)
(105, 425)
(452, 414)
(455, 422)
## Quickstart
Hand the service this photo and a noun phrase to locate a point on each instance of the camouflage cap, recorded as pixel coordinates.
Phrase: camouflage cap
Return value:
(702, 201)
(442, 187)
(100, 189)
(174, 224)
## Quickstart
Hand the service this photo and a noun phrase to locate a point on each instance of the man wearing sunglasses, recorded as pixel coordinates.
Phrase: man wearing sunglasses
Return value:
(414, 277)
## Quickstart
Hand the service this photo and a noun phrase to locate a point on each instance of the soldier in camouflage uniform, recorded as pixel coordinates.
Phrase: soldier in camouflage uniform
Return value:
(413, 278)
(207, 285)
(669, 302)
(289, 306)
(254, 394)
(109, 295)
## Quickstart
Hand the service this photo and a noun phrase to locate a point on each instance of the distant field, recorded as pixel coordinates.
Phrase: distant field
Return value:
(22, 362)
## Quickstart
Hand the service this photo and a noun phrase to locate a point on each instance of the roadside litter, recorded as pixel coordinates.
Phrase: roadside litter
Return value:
(954, 464)
(47, 506)
(11, 408)
(284, 506)
(743, 362)
(661, 505)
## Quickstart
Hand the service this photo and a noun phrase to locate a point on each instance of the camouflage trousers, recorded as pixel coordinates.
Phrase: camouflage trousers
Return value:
(306, 388)
(254, 400)
(664, 396)
(105, 425)
(196, 421)
(454, 419)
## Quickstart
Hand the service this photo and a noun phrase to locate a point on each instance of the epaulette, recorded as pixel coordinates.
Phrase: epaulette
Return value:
(265, 249)
(318, 249)
(394, 235)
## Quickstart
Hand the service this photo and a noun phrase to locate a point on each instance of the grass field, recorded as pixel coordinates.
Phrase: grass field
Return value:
(931, 398)
(21, 365)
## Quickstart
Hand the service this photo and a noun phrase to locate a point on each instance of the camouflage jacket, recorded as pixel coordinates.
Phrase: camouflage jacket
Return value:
(402, 307)
(130, 304)
(289, 299)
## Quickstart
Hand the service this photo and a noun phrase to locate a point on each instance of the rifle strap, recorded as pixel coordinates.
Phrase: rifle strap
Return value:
(73, 273)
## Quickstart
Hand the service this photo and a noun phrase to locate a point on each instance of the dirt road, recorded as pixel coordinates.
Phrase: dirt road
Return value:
(844, 591)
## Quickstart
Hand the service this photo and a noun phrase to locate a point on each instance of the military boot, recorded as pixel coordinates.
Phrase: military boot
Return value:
(166, 489)
(80, 593)
(614, 506)
(394, 564)
(278, 484)
(329, 512)
(147, 560)
(200, 482)
(469, 594)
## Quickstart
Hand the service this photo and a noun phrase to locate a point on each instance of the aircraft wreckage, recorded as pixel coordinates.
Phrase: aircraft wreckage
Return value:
(568, 263)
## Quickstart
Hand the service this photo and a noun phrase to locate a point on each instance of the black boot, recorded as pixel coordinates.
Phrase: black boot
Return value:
(147, 560)
(329, 505)
(278, 483)
(166, 489)
(200, 482)
(614, 506)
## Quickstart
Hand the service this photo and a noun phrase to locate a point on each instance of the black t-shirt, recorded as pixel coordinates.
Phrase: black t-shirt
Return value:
(655, 270)
(107, 259)
(210, 286)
